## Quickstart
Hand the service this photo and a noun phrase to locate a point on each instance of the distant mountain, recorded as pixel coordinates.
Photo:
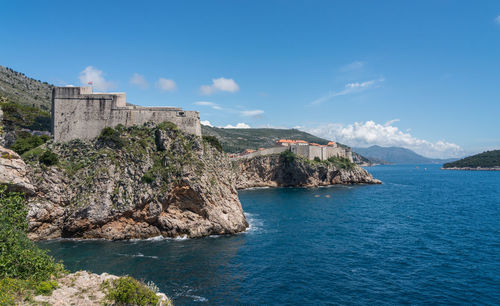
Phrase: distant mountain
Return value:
(20, 89)
(237, 140)
(397, 155)
(488, 159)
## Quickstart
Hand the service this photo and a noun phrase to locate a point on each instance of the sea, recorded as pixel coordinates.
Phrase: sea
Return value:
(425, 236)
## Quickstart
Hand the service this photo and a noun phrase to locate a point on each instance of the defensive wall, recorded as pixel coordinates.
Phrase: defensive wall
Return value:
(77, 112)
(307, 151)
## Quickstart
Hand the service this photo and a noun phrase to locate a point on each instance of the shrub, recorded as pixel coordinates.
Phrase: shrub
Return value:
(45, 287)
(48, 158)
(147, 178)
(19, 257)
(111, 137)
(128, 291)
(317, 159)
(213, 141)
(342, 162)
(25, 142)
(167, 125)
(288, 157)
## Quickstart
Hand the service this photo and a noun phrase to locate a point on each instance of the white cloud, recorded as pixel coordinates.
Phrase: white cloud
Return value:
(240, 125)
(253, 113)
(497, 20)
(363, 134)
(209, 104)
(139, 81)
(96, 76)
(356, 65)
(220, 84)
(350, 88)
(390, 122)
(205, 122)
(166, 84)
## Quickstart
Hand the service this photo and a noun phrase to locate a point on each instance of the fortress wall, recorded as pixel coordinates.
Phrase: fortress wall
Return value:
(274, 150)
(315, 151)
(78, 113)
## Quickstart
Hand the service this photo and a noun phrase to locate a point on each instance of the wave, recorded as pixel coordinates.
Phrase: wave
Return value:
(254, 224)
(137, 255)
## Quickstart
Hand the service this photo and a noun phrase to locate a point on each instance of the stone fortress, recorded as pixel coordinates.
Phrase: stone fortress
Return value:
(77, 112)
(301, 148)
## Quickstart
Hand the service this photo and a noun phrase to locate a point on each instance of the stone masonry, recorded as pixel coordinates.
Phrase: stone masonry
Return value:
(77, 112)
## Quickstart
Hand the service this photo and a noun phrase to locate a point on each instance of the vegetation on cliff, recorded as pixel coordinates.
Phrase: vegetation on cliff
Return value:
(488, 159)
(133, 182)
(24, 268)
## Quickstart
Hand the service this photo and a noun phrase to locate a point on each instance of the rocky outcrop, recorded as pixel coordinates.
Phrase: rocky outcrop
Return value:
(136, 182)
(277, 170)
(84, 288)
(13, 172)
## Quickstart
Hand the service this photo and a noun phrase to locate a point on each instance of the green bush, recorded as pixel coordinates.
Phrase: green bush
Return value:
(288, 157)
(111, 137)
(25, 142)
(317, 159)
(342, 162)
(147, 178)
(48, 158)
(19, 257)
(128, 291)
(167, 125)
(22, 116)
(45, 287)
(213, 141)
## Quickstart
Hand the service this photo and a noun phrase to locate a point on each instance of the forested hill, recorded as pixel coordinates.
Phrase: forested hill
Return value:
(488, 159)
(20, 89)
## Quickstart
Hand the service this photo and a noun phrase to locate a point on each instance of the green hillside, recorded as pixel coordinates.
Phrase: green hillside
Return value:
(488, 159)
(237, 140)
(20, 89)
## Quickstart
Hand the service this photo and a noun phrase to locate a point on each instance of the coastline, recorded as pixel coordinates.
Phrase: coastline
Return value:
(473, 169)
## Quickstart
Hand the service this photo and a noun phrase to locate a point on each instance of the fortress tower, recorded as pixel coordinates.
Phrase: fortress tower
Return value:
(77, 112)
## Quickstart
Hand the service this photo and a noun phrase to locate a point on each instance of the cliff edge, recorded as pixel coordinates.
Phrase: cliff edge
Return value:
(134, 182)
(289, 170)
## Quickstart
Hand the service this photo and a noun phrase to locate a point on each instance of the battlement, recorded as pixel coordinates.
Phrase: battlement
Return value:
(77, 112)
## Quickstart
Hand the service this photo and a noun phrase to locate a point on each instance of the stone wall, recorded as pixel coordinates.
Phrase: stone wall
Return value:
(79, 113)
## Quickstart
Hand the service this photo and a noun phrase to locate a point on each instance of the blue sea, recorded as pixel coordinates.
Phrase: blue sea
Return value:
(425, 236)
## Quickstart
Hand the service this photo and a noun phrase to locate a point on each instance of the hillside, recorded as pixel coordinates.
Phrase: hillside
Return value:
(396, 155)
(20, 89)
(488, 159)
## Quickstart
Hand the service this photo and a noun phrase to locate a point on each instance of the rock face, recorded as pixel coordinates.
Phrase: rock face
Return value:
(136, 182)
(13, 172)
(275, 170)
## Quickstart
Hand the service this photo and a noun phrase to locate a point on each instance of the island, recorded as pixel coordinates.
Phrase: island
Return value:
(489, 160)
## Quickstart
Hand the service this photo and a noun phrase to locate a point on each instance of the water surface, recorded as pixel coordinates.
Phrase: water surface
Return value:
(424, 236)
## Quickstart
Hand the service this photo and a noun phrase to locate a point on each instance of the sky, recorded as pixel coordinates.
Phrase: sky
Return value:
(424, 75)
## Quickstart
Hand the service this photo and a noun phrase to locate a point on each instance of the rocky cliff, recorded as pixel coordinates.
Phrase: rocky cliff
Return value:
(288, 170)
(135, 182)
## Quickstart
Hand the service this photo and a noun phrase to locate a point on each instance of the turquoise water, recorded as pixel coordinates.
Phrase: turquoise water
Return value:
(426, 236)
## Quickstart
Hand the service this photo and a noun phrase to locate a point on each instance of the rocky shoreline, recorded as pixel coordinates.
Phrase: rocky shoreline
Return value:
(146, 182)
(473, 168)
(274, 171)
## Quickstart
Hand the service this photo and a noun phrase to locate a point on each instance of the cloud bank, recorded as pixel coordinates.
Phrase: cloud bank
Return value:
(220, 84)
(252, 113)
(96, 76)
(364, 134)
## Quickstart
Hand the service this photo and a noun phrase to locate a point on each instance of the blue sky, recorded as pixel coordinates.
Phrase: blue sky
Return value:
(422, 74)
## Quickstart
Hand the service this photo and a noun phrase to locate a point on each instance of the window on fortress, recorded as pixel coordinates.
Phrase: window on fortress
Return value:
(181, 114)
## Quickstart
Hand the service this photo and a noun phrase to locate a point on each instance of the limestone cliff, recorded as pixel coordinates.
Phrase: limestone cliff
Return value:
(135, 182)
(292, 171)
